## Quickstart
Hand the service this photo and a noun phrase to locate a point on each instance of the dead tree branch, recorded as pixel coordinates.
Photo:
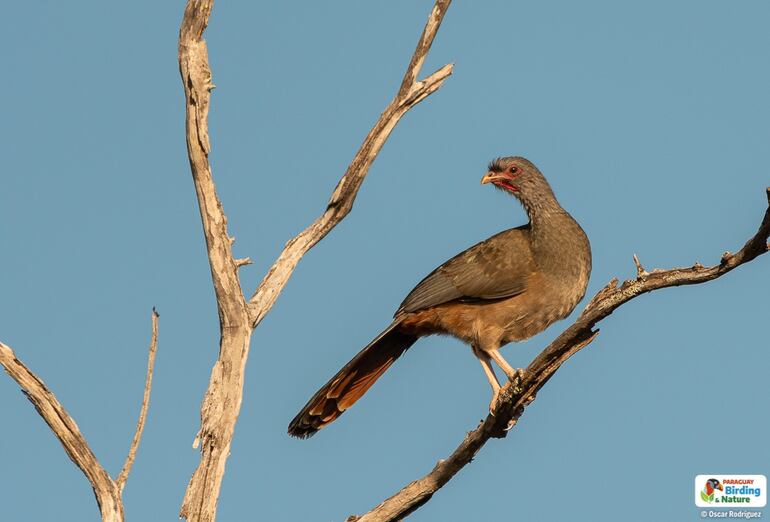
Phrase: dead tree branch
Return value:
(409, 94)
(516, 395)
(238, 318)
(108, 492)
(68, 433)
(222, 401)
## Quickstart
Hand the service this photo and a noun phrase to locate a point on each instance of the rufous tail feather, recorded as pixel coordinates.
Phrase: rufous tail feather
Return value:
(351, 382)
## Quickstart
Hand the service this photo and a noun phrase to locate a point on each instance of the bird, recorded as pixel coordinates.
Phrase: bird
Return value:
(506, 288)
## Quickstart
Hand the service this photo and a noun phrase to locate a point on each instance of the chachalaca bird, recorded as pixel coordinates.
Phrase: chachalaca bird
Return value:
(506, 288)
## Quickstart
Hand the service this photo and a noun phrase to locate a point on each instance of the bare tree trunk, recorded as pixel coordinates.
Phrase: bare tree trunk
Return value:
(237, 317)
(222, 401)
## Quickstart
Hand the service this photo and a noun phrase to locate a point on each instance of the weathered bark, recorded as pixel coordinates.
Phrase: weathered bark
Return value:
(516, 395)
(222, 401)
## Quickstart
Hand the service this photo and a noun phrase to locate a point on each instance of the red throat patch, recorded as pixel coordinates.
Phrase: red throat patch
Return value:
(506, 185)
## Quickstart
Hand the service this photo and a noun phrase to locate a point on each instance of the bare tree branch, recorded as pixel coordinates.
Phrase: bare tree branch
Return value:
(196, 76)
(68, 433)
(409, 94)
(221, 403)
(516, 395)
(108, 492)
(121, 480)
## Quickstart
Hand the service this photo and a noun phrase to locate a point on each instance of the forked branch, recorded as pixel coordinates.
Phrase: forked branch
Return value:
(238, 318)
(108, 491)
(516, 395)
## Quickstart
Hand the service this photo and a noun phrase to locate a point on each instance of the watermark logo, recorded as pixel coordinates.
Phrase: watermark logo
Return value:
(731, 491)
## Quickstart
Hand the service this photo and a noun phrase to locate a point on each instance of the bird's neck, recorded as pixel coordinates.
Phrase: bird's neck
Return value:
(554, 233)
(545, 215)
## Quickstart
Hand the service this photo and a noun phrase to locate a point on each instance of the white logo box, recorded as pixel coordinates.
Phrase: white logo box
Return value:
(731, 491)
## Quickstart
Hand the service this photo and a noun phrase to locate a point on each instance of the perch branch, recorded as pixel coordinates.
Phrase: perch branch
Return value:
(121, 480)
(410, 93)
(516, 395)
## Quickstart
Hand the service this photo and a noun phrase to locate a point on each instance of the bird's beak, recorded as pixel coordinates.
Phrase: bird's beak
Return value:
(489, 177)
(720, 487)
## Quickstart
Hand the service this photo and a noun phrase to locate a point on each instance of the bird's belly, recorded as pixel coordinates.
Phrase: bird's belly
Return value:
(529, 319)
(483, 323)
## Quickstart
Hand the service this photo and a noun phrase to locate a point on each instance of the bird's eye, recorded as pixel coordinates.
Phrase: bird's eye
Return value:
(513, 170)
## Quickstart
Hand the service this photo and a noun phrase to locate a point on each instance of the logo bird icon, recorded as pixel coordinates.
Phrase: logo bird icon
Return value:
(707, 493)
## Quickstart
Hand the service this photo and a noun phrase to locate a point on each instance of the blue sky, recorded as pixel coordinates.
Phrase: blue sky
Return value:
(649, 119)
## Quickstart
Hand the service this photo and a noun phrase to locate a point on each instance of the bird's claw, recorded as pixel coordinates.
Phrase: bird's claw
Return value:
(518, 374)
(493, 402)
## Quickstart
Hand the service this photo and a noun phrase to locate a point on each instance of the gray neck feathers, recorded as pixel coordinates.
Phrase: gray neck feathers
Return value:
(560, 245)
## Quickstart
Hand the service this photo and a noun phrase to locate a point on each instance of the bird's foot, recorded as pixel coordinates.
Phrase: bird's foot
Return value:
(517, 374)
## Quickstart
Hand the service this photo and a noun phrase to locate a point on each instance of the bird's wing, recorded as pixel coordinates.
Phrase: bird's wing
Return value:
(493, 269)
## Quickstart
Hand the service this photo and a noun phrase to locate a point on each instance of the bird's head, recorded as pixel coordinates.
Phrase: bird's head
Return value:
(519, 177)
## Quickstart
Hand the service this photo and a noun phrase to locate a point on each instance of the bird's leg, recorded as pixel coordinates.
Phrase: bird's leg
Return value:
(509, 370)
(490, 373)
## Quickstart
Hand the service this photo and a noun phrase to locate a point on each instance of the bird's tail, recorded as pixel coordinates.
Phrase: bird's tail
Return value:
(351, 382)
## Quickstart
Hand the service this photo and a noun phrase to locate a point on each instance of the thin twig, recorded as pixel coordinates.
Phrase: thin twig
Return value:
(121, 480)
(516, 395)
